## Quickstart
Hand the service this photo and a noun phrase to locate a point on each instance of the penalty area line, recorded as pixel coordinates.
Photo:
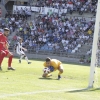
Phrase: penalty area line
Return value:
(35, 92)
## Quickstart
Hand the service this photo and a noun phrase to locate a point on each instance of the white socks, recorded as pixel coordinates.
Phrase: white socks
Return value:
(26, 59)
(22, 56)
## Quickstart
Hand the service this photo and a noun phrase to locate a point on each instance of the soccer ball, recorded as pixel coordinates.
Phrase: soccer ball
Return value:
(46, 70)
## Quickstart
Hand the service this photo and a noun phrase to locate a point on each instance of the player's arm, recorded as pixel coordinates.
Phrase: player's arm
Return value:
(24, 49)
(0, 39)
(6, 45)
(45, 74)
(50, 67)
(45, 64)
(2, 43)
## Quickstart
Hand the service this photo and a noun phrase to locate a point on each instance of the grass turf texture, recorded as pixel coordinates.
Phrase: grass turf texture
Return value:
(26, 83)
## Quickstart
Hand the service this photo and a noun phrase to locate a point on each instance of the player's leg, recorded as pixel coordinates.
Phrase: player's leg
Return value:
(10, 57)
(60, 69)
(26, 58)
(21, 57)
(2, 55)
(20, 54)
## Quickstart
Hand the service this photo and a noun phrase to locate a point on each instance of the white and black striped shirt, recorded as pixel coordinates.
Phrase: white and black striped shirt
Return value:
(19, 46)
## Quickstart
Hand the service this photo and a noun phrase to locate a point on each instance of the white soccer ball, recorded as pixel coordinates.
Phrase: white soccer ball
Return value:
(46, 70)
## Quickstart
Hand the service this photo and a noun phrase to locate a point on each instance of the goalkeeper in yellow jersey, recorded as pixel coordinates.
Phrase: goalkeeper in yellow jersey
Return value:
(53, 65)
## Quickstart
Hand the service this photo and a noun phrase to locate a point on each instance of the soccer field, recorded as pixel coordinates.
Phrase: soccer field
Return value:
(26, 83)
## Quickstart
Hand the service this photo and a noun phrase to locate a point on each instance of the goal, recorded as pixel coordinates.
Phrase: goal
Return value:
(95, 60)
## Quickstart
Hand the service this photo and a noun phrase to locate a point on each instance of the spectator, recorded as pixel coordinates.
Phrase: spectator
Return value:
(90, 31)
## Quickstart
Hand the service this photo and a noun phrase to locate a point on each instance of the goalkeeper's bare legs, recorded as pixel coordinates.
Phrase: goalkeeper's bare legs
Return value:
(61, 70)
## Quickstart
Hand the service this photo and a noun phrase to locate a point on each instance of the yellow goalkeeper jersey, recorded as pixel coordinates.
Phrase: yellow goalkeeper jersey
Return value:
(54, 63)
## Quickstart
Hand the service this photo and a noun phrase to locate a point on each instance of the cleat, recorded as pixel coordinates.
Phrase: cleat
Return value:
(10, 68)
(59, 77)
(19, 61)
(29, 62)
(0, 69)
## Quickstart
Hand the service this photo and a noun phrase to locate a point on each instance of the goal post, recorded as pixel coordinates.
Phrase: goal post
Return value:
(94, 46)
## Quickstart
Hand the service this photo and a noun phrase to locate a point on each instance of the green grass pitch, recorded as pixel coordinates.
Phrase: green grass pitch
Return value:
(26, 83)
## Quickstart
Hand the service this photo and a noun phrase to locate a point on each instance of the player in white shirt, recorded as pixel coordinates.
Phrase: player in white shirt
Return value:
(20, 51)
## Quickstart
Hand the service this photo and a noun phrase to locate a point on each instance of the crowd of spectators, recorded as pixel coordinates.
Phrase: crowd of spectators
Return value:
(50, 32)
(54, 32)
(80, 6)
(13, 21)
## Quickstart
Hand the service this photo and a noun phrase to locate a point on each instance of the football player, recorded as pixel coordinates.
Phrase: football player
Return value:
(4, 51)
(20, 51)
(53, 65)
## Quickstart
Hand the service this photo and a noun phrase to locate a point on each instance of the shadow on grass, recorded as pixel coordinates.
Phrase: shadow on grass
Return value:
(84, 90)
(95, 89)
(4, 71)
(47, 78)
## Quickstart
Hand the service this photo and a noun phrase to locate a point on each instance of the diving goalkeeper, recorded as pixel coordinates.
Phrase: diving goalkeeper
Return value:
(53, 65)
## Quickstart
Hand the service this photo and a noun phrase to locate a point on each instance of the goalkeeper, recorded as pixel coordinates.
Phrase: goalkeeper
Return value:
(53, 65)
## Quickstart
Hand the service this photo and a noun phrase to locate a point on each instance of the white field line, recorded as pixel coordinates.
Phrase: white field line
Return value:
(30, 93)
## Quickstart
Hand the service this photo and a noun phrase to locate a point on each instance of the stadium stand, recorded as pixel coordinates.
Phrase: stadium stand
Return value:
(2, 10)
(79, 6)
(54, 34)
